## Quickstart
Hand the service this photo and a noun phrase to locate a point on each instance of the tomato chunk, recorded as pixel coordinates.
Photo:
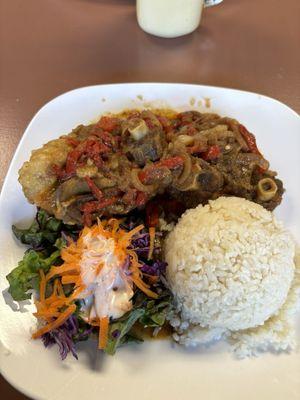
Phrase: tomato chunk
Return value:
(93, 206)
(165, 123)
(94, 188)
(108, 124)
(170, 163)
(212, 153)
(249, 139)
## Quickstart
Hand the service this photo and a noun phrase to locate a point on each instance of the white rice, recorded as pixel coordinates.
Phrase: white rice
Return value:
(232, 272)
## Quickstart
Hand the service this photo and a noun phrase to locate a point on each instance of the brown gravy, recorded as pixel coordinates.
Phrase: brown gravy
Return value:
(147, 333)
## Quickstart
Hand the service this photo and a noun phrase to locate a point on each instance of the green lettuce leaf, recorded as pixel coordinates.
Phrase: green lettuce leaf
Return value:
(45, 239)
(44, 230)
(146, 311)
(155, 311)
(26, 275)
(118, 330)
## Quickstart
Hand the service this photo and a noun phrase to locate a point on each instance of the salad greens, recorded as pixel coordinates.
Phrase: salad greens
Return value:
(148, 312)
(26, 275)
(45, 239)
(43, 231)
(119, 332)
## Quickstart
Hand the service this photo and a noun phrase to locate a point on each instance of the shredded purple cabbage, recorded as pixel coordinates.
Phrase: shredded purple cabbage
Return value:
(157, 268)
(141, 244)
(65, 337)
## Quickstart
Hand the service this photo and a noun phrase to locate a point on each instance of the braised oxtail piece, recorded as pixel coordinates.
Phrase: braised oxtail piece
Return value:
(123, 161)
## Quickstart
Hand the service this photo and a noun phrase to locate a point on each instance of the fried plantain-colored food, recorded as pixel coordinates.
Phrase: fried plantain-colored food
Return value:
(36, 176)
(123, 161)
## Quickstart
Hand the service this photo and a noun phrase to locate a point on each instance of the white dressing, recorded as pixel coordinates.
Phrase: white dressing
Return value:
(108, 292)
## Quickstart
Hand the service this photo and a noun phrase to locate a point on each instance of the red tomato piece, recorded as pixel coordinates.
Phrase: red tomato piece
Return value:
(212, 153)
(93, 206)
(249, 139)
(108, 124)
(165, 123)
(94, 188)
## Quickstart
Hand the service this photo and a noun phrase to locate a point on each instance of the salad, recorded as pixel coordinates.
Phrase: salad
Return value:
(104, 280)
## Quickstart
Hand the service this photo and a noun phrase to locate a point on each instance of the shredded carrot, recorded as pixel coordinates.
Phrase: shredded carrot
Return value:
(134, 231)
(103, 333)
(55, 324)
(59, 288)
(152, 240)
(68, 256)
(115, 226)
(75, 294)
(65, 268)
(48, 315)
(55, 303)
(141, 285)
(42, 285)
(65, 279)
(151, 278)
(134, 257)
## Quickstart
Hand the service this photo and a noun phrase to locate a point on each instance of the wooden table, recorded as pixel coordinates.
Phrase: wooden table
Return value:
(51, 46)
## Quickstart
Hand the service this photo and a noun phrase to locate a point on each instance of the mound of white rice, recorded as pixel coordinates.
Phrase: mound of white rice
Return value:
(232, 272)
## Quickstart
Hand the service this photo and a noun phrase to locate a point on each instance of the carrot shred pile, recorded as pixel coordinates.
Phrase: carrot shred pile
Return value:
(56, 309)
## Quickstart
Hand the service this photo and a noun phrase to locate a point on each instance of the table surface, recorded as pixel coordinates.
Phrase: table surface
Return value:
(51, 46)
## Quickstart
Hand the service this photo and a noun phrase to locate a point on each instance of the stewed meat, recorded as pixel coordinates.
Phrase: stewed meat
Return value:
(123, 161)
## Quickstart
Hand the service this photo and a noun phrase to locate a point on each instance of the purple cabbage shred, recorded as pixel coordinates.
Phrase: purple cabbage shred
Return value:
(157, 268)
(141, 244)
(64, 337)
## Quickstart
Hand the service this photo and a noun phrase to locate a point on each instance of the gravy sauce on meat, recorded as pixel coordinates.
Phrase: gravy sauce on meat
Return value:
(123, 161)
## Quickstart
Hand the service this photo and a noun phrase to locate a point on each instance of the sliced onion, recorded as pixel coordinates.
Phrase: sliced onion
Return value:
(139, 185)
(186, 140)
(187, 168)
(191, 182)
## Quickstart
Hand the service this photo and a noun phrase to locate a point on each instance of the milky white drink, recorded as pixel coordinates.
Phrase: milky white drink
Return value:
(169, 18)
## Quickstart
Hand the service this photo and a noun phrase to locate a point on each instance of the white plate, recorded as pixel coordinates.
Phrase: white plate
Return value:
(158, 369)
